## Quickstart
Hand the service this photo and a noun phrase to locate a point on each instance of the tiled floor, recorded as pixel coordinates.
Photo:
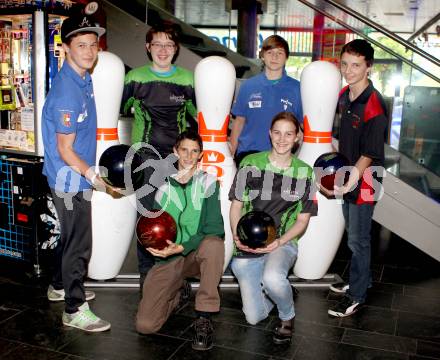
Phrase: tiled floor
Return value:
(401, 320)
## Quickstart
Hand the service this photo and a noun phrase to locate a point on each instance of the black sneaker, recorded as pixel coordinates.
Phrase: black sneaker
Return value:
(203, 333)
(340, 287)
(282, 334)
(345, 307)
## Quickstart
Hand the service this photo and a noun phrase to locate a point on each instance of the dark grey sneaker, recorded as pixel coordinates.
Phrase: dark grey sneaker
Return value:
(340, 287)
(345, 307)
(58, 295)
(282, 334)
(203, 334)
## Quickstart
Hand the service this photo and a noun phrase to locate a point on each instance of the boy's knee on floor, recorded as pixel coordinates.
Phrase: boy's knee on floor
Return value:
(146, 327)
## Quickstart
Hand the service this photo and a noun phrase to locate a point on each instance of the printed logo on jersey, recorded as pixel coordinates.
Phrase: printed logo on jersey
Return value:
(82, 116)
(254, 104)
(255, 101)
(355, 121)
(290, 195)
(177, 99)
(65, 118)
(286, 103)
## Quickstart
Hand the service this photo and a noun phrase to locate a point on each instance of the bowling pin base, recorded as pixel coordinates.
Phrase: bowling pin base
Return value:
(228, 281)
(114, 221)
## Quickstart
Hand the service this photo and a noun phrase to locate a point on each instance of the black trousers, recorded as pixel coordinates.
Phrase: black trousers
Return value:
(157, 170)
(73, 252)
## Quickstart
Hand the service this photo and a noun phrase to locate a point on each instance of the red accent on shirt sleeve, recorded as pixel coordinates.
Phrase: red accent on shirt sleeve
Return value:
(373, 108)
(343, 90)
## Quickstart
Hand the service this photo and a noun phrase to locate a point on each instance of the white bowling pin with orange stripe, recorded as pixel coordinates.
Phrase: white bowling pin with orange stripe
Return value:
(113, 220)
(320, 85)
(214, 79)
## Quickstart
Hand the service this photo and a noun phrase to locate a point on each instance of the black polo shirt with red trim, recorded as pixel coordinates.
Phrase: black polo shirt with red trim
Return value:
(363, 133)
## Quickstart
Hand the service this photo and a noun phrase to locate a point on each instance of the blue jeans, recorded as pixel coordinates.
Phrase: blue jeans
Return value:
(358, 224)
(263, 283)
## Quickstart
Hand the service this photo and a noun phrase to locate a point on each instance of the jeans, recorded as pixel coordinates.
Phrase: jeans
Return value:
(263, 283)
(358, 224)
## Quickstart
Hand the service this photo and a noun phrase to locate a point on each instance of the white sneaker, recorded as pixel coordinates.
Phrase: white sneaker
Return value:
(85, 319)
(345, 307)
(340, 288)
(58, 295)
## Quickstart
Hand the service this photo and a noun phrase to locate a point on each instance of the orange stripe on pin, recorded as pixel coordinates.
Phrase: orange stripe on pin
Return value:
(107, 134)
(212, 135)
(315, 137)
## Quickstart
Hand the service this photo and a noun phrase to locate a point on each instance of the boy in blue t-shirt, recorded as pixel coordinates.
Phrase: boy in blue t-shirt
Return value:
(69, 137)
(262, 97)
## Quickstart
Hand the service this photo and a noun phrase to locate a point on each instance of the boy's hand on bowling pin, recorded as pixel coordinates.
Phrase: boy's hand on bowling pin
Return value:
(98, 183)
(115, 193)
(171, 249)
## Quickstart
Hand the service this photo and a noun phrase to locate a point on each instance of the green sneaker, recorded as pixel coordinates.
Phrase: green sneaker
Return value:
(85, 319)
(58, 295)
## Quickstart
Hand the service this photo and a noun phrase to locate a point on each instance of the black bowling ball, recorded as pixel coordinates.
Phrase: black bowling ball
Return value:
(118, 164)
(256, 229)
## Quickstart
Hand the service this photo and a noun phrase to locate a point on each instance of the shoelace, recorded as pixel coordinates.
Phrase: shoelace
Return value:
(87, 315)
(203, 325)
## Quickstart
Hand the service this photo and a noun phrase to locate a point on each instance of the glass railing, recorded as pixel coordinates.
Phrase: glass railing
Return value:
(410, 84)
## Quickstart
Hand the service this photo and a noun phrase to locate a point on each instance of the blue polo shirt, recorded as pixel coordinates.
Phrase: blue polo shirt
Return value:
(69, 109)
(259, 100)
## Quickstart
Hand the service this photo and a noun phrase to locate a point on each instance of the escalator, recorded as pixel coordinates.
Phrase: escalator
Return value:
(410, 206)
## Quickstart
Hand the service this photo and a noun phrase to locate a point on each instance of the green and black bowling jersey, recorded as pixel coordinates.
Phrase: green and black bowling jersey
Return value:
(163, 105)
(282, 193)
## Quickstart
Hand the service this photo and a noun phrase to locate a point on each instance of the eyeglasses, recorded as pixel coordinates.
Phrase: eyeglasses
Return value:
(167, 47)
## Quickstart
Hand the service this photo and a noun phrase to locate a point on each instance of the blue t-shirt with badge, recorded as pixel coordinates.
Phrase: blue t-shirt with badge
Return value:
(259, 100)
(69, 109)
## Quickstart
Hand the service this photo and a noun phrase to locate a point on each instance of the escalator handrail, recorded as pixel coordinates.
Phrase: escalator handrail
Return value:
(383, 30)
(378, 44)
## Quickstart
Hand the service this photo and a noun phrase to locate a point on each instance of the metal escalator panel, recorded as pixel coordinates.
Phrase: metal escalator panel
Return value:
(410, 206)
(419, 129)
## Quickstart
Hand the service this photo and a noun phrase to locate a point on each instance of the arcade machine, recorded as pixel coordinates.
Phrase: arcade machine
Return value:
(30, 56)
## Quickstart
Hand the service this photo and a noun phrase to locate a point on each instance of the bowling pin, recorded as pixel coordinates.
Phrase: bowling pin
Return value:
(214, 79)
(113, 220)
(320, 85)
